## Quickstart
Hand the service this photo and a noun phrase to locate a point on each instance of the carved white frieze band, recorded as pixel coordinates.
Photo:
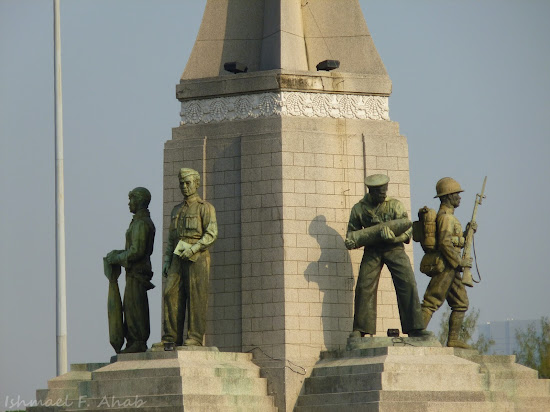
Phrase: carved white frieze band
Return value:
(338, 106)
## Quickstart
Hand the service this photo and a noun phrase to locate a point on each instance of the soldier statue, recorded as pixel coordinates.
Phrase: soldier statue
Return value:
(193, 229)
(136, 259)
(446, 282)
(375, 209)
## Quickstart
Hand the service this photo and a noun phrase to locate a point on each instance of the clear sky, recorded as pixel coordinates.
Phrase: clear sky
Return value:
(471, 92)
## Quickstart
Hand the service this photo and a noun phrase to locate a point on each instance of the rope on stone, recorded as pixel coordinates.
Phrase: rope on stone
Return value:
(400, 340)
(303, 372)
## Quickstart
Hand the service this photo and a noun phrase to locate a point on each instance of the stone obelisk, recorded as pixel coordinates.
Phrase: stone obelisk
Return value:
(284, 149)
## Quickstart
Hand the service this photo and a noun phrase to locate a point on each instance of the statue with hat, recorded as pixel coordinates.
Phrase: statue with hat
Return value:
(381, 225)
(193, 229)
(444, 262)
(136, 259)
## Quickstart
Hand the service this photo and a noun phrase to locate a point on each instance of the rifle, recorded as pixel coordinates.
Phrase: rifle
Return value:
(467, 279)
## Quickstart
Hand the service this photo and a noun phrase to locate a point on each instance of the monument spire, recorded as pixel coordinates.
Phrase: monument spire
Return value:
(293, 35)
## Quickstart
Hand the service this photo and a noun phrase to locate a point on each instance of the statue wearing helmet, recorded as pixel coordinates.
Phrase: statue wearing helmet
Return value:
(446, 283)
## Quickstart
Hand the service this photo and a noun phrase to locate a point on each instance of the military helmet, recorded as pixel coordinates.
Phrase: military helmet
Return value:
(446, 186)
(376, 180)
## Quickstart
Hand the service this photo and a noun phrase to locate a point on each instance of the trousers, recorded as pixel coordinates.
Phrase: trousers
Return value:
(399, 265)
(186, 290)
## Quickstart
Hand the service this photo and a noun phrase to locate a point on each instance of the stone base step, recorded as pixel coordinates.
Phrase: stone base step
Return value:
(64, 389)
(171, 367)
(400, 396)
(174, 385)
(57, 395)
(521, 388)
(534, 404)
(413, 381)
(166, 401)
(378, 364)
(196, 408)
(412, 407)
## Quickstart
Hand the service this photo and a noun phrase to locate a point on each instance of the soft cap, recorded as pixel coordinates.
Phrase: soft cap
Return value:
(376, 180)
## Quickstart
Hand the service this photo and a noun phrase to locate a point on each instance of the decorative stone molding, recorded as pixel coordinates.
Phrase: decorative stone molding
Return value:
(251, 106)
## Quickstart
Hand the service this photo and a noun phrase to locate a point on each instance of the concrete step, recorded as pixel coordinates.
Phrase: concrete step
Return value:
(87, 367)
(109, 402)
(197, 408)
(44, 409)
(174, 385)
(228, 401)
(474, 356)
(57, 395)
(412, 407)
(418, 381)
(344, 398)
(462, 407)
(69, 380)
(189, 354)
(131, 409)
(146, 370)
(506, 373)
(521, 387)
(533, 404)
(409, 364)
(387, 351)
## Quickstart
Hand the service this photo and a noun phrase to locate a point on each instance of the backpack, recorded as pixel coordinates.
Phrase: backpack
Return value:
(424, 230)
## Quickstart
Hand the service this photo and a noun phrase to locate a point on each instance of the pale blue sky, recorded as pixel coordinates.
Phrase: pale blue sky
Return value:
(469, 77)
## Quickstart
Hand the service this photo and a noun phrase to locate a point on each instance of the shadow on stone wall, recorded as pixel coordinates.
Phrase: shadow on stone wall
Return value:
(334, 276)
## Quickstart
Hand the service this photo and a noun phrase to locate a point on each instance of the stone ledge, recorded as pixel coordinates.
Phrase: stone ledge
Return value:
(283, 80)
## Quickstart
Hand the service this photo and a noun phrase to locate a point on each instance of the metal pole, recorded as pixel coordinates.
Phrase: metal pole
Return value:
(204, 169)
(61, 294)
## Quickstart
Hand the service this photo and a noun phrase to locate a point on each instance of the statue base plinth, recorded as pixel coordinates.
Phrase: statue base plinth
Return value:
(190, 378)
(401, 377)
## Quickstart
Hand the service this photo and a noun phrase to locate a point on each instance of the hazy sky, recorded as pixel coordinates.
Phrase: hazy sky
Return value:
(471, 92)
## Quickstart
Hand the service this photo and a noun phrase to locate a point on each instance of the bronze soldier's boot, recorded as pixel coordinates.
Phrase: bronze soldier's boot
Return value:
(455, 323)
(426, 316)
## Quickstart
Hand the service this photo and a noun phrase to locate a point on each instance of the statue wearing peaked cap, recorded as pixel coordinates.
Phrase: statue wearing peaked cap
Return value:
(193, 229)
(376, 212)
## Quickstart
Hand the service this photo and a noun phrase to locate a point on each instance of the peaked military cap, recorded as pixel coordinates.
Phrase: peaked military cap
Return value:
(184, 172)
(376, 180)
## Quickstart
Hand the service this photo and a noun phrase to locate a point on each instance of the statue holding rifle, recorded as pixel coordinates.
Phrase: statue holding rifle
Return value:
(442, 239)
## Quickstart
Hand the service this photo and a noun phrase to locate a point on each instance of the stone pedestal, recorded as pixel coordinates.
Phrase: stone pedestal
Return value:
(421, 379)
(190, 379)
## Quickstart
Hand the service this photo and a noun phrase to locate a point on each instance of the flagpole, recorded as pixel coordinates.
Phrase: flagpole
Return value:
(60, 289)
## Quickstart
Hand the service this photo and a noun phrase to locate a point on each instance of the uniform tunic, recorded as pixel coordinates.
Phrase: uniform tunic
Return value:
(187, 284)
(447, 284)
(365, 214)
(136, 259)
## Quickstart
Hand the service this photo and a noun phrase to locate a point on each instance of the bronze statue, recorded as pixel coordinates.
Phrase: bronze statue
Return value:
(136, 259)
(378, 213)
(193, 229)
(443, 262)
